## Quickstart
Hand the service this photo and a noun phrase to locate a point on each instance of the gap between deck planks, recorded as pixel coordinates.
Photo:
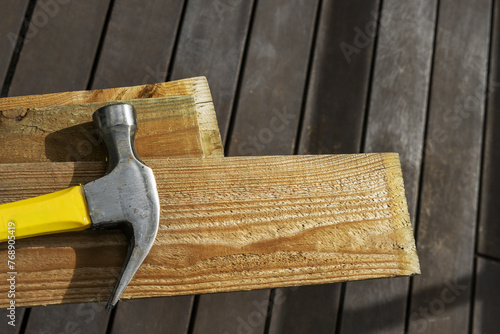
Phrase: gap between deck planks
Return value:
(227, 224)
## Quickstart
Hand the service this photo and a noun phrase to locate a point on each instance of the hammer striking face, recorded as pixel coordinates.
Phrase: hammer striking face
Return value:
(126, 197)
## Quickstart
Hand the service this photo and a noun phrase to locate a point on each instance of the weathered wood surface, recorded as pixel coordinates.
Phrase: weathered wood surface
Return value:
(137, 48)
(489, 228)
(227, 224)
(60, 47)
(211, 43)
(10, 27)
(273, 83)
(450, 185)
(171, 127)
(486, 310)
(404, 57)
(156, 315)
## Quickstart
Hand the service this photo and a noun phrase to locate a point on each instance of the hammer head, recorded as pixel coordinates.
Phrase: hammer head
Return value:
(126, 197)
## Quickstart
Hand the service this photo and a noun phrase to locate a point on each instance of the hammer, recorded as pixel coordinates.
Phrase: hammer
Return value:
(126, 197)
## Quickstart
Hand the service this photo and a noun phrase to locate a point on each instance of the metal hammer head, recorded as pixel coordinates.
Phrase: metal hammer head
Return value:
(126, 196)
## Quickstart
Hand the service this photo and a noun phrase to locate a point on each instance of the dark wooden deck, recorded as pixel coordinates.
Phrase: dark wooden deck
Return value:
(416, 77)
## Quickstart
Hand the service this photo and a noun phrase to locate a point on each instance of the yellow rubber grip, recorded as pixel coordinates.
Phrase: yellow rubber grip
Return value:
(63, 211)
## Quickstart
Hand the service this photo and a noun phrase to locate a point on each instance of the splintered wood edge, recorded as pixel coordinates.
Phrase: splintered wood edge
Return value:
(210, 140)
(207, 121)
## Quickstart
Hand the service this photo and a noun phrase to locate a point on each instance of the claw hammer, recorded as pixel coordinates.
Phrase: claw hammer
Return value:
(126, 197)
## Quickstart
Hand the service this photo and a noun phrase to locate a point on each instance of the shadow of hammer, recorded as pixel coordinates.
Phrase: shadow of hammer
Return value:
(126, 197)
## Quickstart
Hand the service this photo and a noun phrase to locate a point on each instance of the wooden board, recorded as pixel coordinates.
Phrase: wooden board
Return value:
(450, 184)
(339, 83)
(60, 47)
(396, 123)
(211, 43)
(31, 131)
(273, 82)
(10, 27)
(137, 48)
(489, 229)
(486, 296)
(158, 315)
(227, 224)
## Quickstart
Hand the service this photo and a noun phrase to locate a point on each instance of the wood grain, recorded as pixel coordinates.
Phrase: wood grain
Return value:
(450, 182)
(36, 128)
(227, 224)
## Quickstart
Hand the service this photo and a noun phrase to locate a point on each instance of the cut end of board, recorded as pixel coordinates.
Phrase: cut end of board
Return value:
(404, 236)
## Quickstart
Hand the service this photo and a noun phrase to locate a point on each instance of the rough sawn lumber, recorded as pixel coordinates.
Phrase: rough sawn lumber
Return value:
(226, 224)
(57, 127)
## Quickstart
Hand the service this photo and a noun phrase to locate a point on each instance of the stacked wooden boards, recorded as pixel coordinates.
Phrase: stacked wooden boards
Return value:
(227, 223)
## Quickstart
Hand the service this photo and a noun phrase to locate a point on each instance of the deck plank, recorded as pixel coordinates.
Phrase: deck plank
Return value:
(274, 77)
(270, 97)
(10, 26)
(489, 228)
(338, 88)
(333, 123)
(139, 42)
(450, 184)
(156, 315)
(211, 44)
(396, 123)
(59, 51)
(487, 295)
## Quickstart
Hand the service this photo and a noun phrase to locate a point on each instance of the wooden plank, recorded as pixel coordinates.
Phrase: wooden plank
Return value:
(211, 43)
(486, 310)
(274, 78)
(396, 122)
(32, 132)
(227, 224)
(489, 229)
(303, 309)
(169, 128)
(10, 26)
(156, 315)
(229, 313)
(450, 185)
(60, 47)
(91, 318)
(338, 88)
(333, 123)
(138, 43)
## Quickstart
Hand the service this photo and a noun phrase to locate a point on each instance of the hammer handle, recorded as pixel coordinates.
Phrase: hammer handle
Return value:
(62, 211)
